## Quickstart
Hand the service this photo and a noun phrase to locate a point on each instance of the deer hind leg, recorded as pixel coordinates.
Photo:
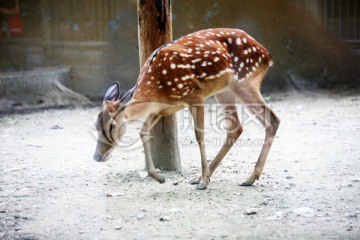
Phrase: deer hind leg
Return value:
(145, 137)
(198, 116)
(253, 100)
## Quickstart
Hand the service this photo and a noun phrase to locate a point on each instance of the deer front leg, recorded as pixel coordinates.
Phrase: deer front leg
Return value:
(145, 137)
(198, 116)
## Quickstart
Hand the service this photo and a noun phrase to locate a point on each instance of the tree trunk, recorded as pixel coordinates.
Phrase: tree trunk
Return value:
(155, 29)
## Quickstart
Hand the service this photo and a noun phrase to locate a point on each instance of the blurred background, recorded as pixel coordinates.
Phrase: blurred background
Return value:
(314, 43)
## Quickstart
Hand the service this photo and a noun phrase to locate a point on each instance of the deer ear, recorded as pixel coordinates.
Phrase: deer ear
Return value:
(113, 93)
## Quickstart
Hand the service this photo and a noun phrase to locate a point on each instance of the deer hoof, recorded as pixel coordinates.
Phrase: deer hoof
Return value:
(201, 186)
(161, 179)
(246, 184)
(195, 181)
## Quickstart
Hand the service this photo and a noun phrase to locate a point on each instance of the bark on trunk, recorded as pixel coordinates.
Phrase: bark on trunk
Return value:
(154, 30)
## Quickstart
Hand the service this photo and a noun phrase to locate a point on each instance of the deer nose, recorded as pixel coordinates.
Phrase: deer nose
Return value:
(98, 157)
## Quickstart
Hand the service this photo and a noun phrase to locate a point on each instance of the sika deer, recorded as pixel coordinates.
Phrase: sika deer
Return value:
(226, 63)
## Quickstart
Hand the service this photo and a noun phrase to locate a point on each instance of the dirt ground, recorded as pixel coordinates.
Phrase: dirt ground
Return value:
(51, 188)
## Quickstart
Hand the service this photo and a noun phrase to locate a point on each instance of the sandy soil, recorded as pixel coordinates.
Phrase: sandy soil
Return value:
(50, 188)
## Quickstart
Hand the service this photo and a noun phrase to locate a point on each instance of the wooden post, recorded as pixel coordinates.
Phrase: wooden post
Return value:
(154, 30)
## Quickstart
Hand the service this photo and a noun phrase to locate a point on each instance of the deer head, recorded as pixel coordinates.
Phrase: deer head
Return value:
(110, 123)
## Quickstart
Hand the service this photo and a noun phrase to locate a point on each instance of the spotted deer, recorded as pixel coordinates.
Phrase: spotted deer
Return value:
(225, 63)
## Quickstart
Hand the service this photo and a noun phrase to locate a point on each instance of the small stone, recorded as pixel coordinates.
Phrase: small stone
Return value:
(350, 215)
(174, 210)
(251, 211)
(56, 127)
(23, 192)
(304, 212)
(175, 183)
(355, 180)
(115, 194)
(141, 216)
(164, 219)
(289, 177)
(117, 224)
(142, 174)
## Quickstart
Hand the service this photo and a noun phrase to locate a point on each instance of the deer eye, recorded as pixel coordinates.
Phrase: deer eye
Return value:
(112, 127)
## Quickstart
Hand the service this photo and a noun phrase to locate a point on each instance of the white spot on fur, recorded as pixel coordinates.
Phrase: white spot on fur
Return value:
(180, 85)
(164, 71)
(196, 60)
(238, 41)
(211, 77)
(203, 75)
(184, 66)
(173, 65)
(186, 77)
(185, 55)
